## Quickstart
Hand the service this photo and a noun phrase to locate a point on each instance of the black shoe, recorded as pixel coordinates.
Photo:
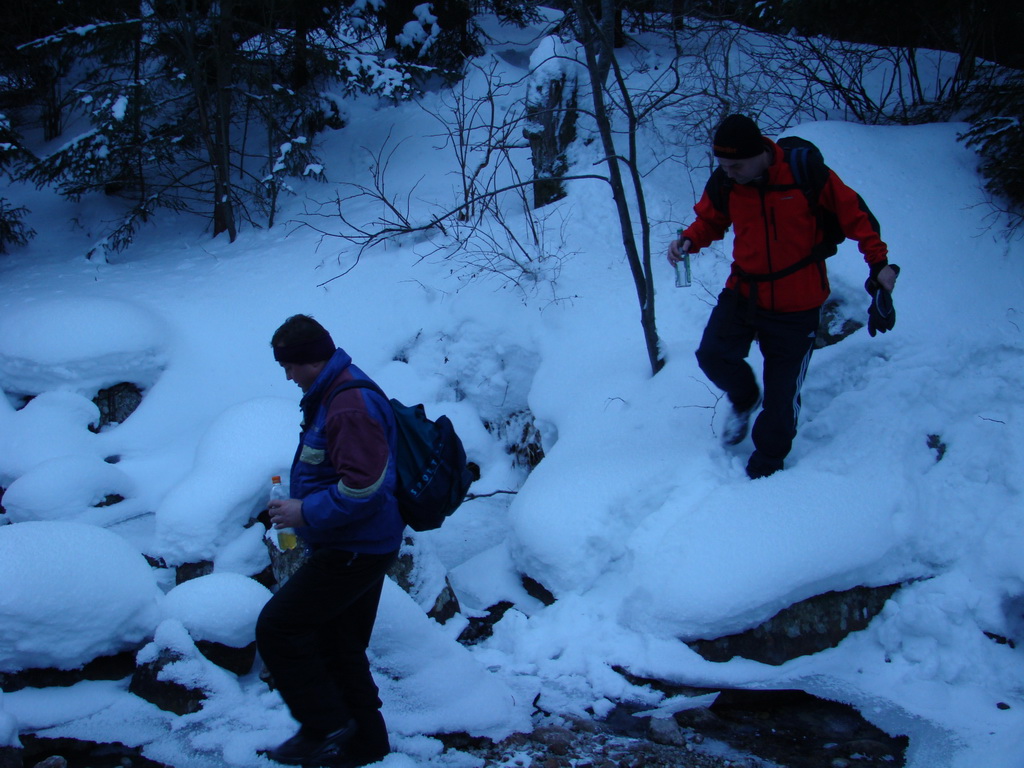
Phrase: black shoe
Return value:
(370, 744)
(311, 749)
(760, 465)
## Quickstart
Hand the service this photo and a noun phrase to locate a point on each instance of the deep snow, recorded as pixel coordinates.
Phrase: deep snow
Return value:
(642, 525)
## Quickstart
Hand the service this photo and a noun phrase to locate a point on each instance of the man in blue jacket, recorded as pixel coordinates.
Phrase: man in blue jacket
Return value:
(313, 633)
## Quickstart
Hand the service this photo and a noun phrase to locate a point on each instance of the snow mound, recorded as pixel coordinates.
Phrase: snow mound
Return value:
(64, 487)
(79, 343)
(220, 607)
(53, 424)
(431, 684)
(235, 460)
(8, 727)
(247, 554)
(71, 592)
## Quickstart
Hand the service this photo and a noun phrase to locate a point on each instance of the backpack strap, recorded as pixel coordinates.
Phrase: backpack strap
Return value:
(810, 174)
(355, 384)
(719, 187)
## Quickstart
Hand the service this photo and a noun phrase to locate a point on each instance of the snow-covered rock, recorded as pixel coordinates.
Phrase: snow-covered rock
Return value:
(71, 592)
(80, 343)
(234, 461)
(51, 425)
(8, 727)
(221, 607)
(64, 487)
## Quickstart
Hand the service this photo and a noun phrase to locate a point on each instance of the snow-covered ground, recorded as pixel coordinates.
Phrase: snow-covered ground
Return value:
(642, 525)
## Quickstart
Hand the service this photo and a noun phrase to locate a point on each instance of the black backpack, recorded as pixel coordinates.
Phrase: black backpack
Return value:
(433, 474)
(810, 174)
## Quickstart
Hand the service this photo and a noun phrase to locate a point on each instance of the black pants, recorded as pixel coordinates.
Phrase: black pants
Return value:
(786, 340)
(313, 635)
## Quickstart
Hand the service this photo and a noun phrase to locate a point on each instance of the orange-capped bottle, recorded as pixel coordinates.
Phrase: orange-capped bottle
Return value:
(286, 538)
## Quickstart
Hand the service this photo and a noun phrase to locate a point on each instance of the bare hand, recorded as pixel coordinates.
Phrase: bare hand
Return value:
(676, 249)
(887, 278)
(286, 513)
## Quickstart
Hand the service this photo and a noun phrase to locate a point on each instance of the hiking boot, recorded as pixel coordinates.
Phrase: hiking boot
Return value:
(370, 744)
(310, 749)
(737, 423)
(759, 465)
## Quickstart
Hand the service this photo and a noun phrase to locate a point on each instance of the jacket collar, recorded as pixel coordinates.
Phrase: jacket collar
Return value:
(339, 361)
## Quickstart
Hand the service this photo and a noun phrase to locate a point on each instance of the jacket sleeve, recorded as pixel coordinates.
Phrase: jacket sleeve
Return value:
(856, 221)
(357, 447)
(711, 224)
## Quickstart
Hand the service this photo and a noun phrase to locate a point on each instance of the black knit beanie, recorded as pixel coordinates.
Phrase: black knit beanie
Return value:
(738, 138)
(315, 350)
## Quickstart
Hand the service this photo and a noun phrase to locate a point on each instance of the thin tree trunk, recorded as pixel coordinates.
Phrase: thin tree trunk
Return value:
(598, 46)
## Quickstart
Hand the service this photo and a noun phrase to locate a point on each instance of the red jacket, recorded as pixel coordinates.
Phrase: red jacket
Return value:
(776, 228)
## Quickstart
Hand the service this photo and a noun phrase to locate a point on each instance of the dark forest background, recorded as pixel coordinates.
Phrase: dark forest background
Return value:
(213, 108)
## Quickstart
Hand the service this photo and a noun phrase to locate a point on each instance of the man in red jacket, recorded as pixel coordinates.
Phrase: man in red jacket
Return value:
(778, 280)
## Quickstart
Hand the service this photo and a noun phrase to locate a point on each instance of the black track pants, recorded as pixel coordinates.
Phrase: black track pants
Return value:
(786, 340)
(313, 635)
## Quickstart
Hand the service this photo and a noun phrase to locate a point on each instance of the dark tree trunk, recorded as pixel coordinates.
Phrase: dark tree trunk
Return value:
(551, 129)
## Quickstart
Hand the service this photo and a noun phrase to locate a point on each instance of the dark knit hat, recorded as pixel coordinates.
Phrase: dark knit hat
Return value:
(738, 138)
(314, 350)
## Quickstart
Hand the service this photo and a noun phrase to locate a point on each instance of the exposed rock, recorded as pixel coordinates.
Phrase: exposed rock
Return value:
(283, 562)
(83, 754)
(935, 443)
(521, 436)
(117, 403)
(266, 578)
(807, 627)
(11, 757)
(416, 573)
(155, 562)
(837, 323)
(481, 627)
(586, 744)
(788, 728)
(557, 740)
(187, 571)
(446, 606)
(236, 660)
(165, 694)
(537, 590)
(115, 667)
(796, 729)
(665, 730)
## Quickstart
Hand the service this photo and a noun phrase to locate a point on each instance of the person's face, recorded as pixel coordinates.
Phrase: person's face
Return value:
(746, 170)
(303, 374)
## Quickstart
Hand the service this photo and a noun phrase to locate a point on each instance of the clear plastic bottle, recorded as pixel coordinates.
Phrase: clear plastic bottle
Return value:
(286, 538)
(684, 278)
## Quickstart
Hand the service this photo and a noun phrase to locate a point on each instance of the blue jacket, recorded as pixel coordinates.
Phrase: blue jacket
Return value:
(344, 468)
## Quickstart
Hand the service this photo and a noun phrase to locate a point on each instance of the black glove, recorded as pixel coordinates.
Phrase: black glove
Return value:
(882, 312)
